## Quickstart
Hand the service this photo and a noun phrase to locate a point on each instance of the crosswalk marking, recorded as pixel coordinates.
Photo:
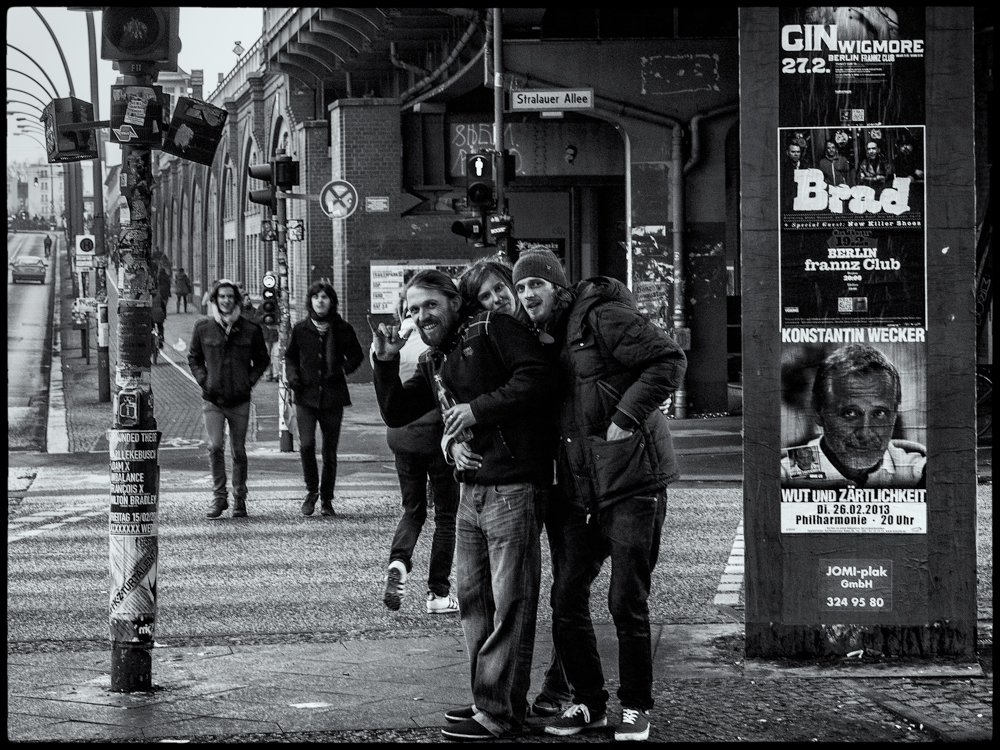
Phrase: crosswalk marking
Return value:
(731, 582)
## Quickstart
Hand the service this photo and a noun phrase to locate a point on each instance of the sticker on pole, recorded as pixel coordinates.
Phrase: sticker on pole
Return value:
(338, 199)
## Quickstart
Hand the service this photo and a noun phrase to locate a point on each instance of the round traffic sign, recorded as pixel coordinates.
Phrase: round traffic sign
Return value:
(338, 199)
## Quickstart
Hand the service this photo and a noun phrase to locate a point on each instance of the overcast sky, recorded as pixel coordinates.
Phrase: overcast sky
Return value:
(208, 36)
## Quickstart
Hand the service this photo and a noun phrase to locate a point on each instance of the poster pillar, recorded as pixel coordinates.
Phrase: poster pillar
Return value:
(857, 185)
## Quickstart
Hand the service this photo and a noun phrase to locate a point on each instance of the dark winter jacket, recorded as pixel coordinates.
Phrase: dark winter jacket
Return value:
(315, 364)
(616, 367)
(227, 366)
(496, 365)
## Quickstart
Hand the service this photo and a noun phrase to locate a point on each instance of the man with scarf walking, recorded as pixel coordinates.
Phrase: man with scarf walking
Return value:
(322, 351)
(227, 357)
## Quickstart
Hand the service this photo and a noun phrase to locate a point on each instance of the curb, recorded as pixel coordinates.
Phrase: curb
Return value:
(938, 730)
(56, 427)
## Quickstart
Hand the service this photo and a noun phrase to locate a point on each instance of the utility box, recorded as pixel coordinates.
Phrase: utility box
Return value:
(858, 197)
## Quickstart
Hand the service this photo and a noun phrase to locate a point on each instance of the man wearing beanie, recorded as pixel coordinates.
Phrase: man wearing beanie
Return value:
(322, 351)
(227, 358)
(614, 463)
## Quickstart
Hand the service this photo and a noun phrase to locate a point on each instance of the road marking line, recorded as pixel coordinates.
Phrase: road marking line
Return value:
(731, 582)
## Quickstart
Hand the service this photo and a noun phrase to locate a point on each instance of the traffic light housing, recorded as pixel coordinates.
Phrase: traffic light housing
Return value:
(471, 229)
(62, 145)
(479, 186)
(269, 294)
(267, 196)
(138, 33)
(286, 172)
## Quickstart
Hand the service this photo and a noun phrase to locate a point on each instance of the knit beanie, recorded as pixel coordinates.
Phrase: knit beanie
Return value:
(542, 264)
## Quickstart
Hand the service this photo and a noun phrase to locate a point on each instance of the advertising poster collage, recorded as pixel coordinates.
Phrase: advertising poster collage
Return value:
(852, 287)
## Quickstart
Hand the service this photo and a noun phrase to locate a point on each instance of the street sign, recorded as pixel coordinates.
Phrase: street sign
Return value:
(195, 130)
(338, 199)
(499, 225)
(550, 100)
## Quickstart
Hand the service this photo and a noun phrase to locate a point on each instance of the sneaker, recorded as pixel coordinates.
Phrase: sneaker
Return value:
(326, 507)
(470, 729)
(460, 714)
(309, 504)
(395, 587)
(576, 719)
(634, 726)
(218, 505)
(441, 605)
(546, 707)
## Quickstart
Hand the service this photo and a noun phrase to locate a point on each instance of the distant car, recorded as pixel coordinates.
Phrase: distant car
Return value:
(29, 268)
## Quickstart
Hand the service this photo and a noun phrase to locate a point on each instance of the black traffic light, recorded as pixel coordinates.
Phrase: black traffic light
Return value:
(268, 196)
(138, 33)
(471, 229)
(269, 294)
(479, 179)
(286, 172)
(64, 145)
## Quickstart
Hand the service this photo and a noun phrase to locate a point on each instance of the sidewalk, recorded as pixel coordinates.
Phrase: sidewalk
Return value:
(385, 686)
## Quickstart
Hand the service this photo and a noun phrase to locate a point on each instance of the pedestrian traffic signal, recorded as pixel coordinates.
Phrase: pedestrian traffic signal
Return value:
(267, 196)
(471, 229)
(138, 33)
(269, 295)
(479, 179)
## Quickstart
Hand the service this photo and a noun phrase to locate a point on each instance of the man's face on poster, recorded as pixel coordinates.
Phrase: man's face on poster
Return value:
(831, 150)
(858, 418)
(872, 149)
(794, 151)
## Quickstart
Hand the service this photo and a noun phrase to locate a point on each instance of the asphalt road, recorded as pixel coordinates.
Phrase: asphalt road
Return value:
(28, 330)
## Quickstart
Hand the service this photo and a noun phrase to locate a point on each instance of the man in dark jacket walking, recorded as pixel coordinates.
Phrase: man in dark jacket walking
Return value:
(615, 461)
(496, 373)
(227, 357)
(323, 349)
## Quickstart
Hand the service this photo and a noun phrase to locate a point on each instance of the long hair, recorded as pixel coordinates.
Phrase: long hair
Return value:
(434, 281)
(315, 288)
(473, 278)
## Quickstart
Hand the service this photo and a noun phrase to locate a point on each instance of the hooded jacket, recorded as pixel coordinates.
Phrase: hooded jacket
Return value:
(316, 364)
(496, 365)
(616, 367)
(226, 361)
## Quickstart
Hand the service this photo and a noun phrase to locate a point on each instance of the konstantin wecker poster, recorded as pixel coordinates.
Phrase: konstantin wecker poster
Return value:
(851, 145)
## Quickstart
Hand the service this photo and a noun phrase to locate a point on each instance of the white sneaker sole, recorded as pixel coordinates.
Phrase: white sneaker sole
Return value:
(636, 736)
(569, 731)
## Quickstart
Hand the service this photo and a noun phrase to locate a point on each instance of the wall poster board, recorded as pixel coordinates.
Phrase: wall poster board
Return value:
(853, 270)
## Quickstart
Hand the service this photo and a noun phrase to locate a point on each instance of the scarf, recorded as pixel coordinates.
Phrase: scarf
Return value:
(321, 326)
(226, 321)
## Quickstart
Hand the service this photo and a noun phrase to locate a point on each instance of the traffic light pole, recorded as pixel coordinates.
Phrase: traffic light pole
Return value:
(286, 409)
(498, 144)
(134, 440)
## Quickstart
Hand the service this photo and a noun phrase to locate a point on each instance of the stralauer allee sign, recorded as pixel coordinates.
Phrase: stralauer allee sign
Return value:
(852, 243)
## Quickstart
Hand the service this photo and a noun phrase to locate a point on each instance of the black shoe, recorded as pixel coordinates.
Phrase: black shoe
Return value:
(239, 507)
(470, 729)
(309, 504)
(219, 504)
(326, 507)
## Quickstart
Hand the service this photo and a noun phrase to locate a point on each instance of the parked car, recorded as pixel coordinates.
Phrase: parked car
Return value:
(29, 268)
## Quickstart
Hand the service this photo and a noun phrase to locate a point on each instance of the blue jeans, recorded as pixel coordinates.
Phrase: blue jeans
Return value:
(413, 470)
(629, 533)
(238, 418)
(329, 419)
(498, 572)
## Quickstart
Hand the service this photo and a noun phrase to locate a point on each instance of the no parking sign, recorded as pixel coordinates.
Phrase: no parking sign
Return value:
(338, 199)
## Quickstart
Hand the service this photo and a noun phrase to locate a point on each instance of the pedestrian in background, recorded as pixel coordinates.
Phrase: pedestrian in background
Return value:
(158, 314)
(323, 349)
(227, 357)
(163, 283)
(182, 287)
(494, 371)
(417, 450)
(615, 461)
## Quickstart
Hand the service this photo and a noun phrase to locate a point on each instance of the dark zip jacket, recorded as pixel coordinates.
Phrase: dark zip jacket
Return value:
(496, 365)
(316, 365)
(616, 367)
(227, 367)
